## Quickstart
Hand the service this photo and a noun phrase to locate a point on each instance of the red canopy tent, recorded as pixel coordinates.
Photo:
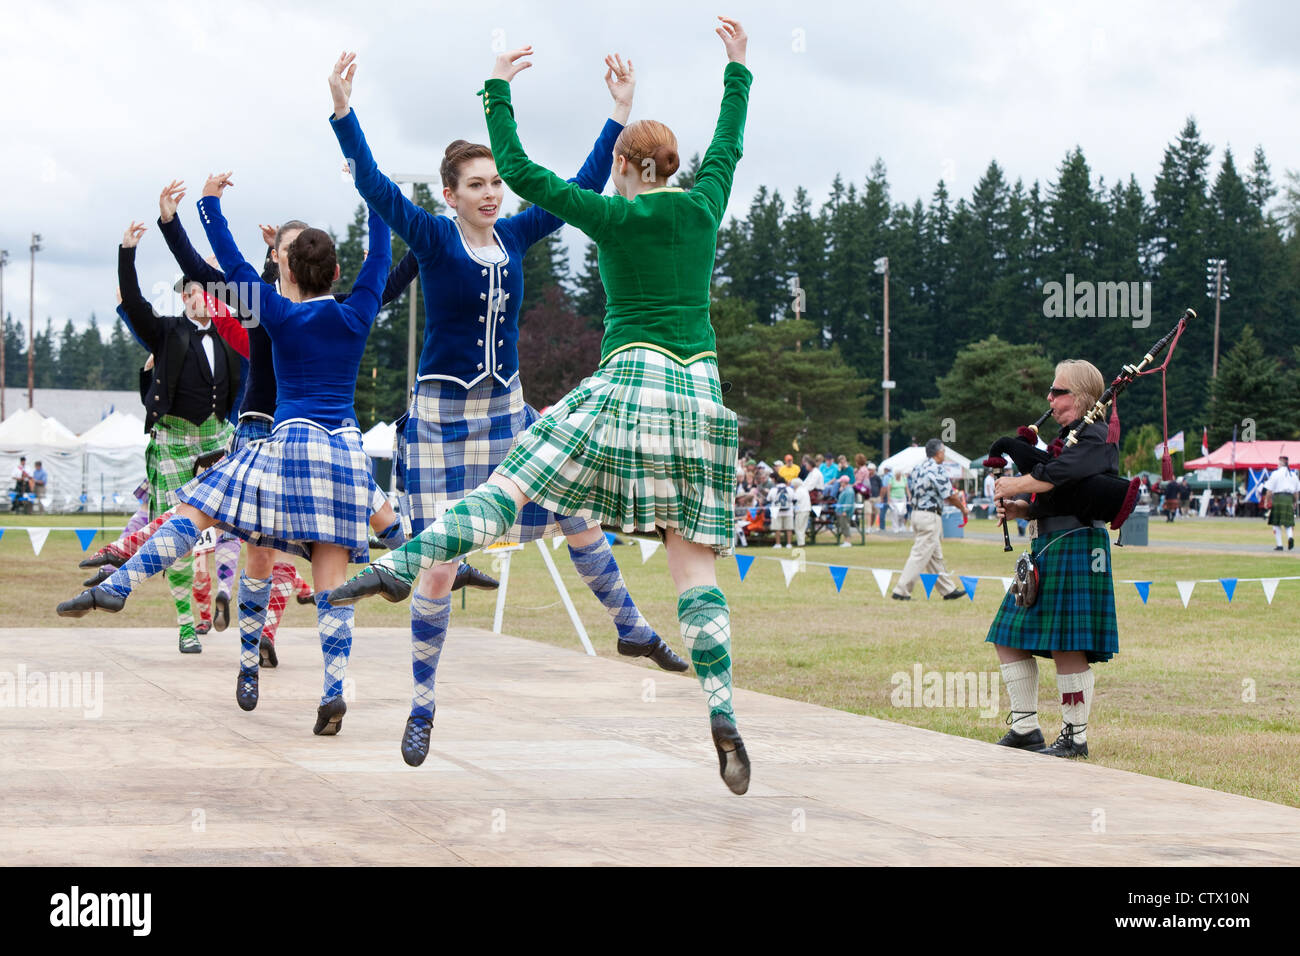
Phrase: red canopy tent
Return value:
(1248, 454)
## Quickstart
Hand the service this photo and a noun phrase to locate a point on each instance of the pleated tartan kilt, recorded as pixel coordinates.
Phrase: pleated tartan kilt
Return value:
(1075, 610)
(1282, 513)
(253, 429)
(174, 445)
(449, 442)
(644, 443)
(300, 485)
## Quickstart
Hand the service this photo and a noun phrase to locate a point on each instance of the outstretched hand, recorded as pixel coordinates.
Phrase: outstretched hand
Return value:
(217, 183)
(733, 38)
(341, 83)
(268, 235)
(170, 199)
(511, 64)
(131, 238)
(621, 80)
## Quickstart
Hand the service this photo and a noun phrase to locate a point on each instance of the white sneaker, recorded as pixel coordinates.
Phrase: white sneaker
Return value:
(846, 544)
(786, 545)
(777, 545)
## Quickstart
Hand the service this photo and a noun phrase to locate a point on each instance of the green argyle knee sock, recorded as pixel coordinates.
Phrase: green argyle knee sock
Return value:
(481, 517)
(180, 581)
(706, 629)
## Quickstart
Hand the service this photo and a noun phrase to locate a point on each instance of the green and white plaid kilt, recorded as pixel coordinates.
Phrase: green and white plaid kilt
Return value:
(1282, 513)
(169, 459)
(644, 443)
(1075, 610)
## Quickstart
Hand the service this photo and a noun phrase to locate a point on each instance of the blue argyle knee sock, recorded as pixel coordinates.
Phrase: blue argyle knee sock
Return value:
(393, 536)
(227, 560)
(169, 544)
(706, 628)
(481, 517)
(253, 595)
(429, 619)
(597, 567)
(335, 626)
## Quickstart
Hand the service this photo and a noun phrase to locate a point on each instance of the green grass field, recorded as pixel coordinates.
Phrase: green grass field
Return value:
(1206, 695)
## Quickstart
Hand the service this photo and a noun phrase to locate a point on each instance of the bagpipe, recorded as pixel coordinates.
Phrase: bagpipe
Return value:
(1102, 497)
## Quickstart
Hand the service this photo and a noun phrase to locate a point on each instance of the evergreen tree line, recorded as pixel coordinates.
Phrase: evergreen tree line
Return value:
(985, 294)
(73, 359)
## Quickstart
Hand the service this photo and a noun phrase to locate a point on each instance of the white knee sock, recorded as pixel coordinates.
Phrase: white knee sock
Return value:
(1021, 679)
(1076, 701)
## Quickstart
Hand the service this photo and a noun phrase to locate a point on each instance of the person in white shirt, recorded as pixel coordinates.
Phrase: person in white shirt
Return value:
(802, 509)
(1280, 491)
(781, 500)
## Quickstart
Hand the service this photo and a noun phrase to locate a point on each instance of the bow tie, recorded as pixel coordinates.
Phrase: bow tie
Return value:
(205, 331)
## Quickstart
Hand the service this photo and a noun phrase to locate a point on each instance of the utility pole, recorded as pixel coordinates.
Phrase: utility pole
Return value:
(882, 268)
(31, 324)
(4, 261)
(1216, 287)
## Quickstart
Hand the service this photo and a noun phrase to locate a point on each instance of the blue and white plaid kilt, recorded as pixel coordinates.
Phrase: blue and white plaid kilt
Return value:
(451, 440)
(253, 429)
(301, 484)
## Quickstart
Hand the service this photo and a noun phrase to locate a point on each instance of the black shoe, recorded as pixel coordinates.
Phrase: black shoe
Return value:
(1278, 548)
(377, 545)
(954, 595)
(221, 616)
(100, 558)
(329, 718)
(1065, 746)
(1030, 741)
(102, 575)
(246, 689)
(415, 740)
(202, 628)
(189, 644)
(733, 762)
(266, 649)
(900, 597)
(372, 580)
(1290, 544)
(657, 650)
(468, 576)
(87, 601)
(308, 599)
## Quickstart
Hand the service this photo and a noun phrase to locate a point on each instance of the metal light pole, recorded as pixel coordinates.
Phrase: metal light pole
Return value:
(882, 268)
(31, 324)
(1216, 288)
(413, 179)
(4, 261)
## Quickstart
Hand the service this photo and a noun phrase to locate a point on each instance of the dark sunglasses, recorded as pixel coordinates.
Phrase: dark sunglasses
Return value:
(1058, 392)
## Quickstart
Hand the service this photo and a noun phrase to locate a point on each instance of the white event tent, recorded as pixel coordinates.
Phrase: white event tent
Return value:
(107, 460)
(957, 466)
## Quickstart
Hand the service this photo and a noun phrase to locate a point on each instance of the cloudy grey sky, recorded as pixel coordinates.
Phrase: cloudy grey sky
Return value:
(105, 104)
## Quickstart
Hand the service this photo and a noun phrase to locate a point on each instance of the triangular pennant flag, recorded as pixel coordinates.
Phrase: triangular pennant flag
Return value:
(789, 568)
(743, 561)
(1185, 590)
(817, 510)
(85, 536)
(969, 583)
(2, 532)
(928, 580)
(837, 575)
(556, 542)
(1270, 588)
(1229, 586)
(1144, 589)
(38, 536)
(1006, 584)
(882, 577)
(611, 537)
(648, 547)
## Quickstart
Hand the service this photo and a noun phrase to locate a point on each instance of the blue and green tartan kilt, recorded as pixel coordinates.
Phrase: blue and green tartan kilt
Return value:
(1075, 610)
(645, 443)
(1282, 513)
(300, 485)
(174, 445)
(449, 442)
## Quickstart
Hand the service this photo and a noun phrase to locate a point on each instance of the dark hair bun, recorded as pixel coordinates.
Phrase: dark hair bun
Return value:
(313, 261)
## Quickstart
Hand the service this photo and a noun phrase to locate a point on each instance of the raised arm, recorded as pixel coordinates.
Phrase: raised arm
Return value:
(580, 207)
(399, 278)
(268, 304)
(145, 323)
(367, 291)
(413, 224)
(186, 256)
(718, 167)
